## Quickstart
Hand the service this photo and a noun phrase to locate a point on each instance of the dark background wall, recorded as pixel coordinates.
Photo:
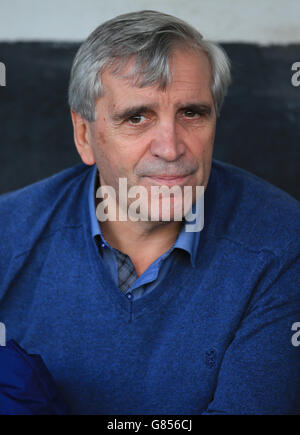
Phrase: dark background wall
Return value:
(259, 128)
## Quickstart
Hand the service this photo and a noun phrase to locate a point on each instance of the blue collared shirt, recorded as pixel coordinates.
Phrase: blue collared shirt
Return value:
(185, 244)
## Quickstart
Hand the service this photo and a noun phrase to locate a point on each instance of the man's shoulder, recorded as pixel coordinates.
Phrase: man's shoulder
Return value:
(41, 206)
(252, 211)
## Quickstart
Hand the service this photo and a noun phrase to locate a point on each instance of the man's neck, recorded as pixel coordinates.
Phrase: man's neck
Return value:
(143, 242)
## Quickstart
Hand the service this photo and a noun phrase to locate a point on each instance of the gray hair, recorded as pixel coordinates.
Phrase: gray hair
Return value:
(150, 37)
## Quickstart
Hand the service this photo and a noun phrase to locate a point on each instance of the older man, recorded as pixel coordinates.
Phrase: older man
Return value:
(142, 316)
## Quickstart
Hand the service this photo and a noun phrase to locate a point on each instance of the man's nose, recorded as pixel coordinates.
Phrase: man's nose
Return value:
(167, 143)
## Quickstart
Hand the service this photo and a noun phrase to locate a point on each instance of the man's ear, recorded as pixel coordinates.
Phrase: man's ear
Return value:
(82, 138)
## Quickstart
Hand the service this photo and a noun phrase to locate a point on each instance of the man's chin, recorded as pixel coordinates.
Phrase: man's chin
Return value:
(165, 210)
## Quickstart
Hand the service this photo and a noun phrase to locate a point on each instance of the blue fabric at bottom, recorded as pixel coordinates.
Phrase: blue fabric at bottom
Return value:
(26, 385)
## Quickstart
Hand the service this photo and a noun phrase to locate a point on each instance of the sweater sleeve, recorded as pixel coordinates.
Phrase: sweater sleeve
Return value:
(260, 370)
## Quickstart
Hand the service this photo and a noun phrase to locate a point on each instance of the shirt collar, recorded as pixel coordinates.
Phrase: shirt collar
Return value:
(188, 241)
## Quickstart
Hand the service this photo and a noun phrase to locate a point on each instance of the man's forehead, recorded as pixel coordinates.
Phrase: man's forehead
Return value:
(154, 100)
(188, 83)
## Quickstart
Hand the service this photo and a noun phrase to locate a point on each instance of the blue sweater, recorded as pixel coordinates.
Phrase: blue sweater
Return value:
(214, 339)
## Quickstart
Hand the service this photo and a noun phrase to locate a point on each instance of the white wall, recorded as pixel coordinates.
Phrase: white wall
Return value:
(258, 21)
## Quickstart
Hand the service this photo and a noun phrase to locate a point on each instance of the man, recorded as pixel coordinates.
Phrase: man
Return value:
(143, 316)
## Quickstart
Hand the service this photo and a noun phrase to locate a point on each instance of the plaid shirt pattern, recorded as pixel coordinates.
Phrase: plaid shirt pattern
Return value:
(126, 271)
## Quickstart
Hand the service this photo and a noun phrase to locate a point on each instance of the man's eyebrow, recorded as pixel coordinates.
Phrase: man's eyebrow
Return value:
(131, 111)
(203, 108)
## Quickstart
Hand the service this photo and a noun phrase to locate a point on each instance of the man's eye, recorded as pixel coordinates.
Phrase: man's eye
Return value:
(190, 113)
(136, 119)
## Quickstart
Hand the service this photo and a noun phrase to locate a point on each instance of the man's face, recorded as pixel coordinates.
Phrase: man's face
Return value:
(156, 137)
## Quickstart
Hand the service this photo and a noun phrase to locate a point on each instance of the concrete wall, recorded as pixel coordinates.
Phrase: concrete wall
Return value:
(257, 21)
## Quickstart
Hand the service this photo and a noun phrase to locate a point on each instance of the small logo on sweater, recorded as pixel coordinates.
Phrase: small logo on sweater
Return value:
(210, 358)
